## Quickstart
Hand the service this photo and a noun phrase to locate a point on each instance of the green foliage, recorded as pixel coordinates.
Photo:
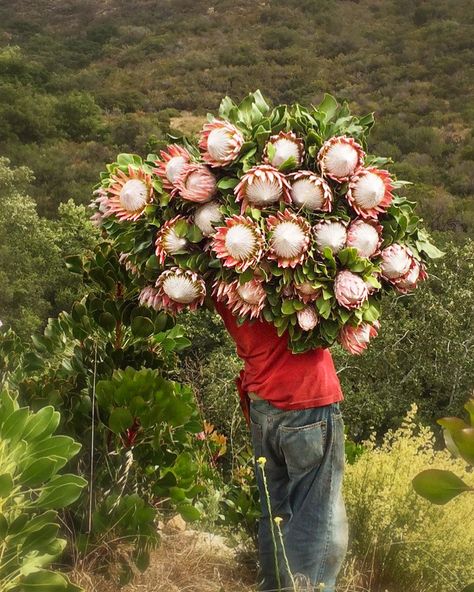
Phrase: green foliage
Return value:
(31, 492)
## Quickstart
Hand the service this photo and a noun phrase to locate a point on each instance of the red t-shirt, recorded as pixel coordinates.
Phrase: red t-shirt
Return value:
(286, 380)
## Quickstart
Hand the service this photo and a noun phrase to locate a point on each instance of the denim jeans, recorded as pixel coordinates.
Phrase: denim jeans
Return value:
(304, 452)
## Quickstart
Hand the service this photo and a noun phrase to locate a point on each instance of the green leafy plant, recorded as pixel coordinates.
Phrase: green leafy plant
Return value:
(32, 490)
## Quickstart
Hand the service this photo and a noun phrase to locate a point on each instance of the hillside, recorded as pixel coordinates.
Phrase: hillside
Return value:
(81, 80)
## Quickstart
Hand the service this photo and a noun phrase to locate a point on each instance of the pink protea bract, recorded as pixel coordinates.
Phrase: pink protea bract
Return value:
(149, 296)
(365, 236)
(195, 183)
(179, 289)
(339, 158)
(356, 339)
(330, 233)
(307, 318)
(290, 238)
(306, 292)
(310, 191)
(171, 164)
(409, 282)
(240, 243)
(246, 299)
(124, 259)
(129, 194)
(350, 289)
(167, 241)
(220, 142)
(283, 146)
(370, 192)
(263, 185)
(206, 215)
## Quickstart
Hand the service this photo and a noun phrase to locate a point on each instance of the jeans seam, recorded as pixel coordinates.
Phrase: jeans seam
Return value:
(322, 568)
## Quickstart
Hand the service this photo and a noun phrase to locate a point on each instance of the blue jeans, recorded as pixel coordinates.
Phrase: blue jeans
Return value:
(304, 452)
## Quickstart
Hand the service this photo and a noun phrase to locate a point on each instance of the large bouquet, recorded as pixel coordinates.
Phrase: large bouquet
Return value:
(280, 213)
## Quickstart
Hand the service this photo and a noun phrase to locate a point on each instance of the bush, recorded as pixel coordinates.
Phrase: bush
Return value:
(397, 536)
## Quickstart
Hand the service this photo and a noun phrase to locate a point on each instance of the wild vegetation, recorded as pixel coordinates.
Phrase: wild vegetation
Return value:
(82, 81)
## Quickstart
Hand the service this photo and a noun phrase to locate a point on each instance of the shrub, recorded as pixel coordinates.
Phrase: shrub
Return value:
(397, 536)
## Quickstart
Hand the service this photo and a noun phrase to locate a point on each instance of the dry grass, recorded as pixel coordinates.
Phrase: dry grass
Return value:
(187, 123)
(181, 564)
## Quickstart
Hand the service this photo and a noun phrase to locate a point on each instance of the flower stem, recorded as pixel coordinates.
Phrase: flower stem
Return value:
(261, 462)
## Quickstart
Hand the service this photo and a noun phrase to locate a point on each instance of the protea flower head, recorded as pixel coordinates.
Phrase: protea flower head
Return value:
(290, 238)
(240, 243)
(396, 261)
(408, 282)
(285, 145)
(261, 186)
(310, 191)
(340, 157)
(370, 192)
(330, 233)
(129, 194)
(220, 142)
(242, 299)
(178, 289)
(171, 164)
(307, 318)
(350, 289)
(356, 339)
(205, 215)
(195, 183)
(167, 240)
(100, 205)
(307, 292)
(365, 236)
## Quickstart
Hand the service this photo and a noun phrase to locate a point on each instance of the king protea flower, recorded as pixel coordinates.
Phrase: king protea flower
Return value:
(221, 143)
(124, 259)
(396, 261)
(100, 205)
(350, 289)
(356, 339)
(285, 145)
(340, 157)
(306, 292)
(365, 236)
(149, 296)
(242, 299)
(408, 282)
(261, 186)
(167, 241)
(195, 183)
(290, 237)
(129, 194)
(178, 289)
(310, 191)
(171, 165)
(205, 215)
(307, 318)
(370, 192)
(240, 243)
(330, 233)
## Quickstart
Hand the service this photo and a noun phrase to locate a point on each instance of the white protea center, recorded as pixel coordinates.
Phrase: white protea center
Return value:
(263, 191)
(174, 167)
(173, 243)
(369, 191)
(305, 193)
(364, 237)
(251, 292)
(288, 240)
(240, 242)
(180, 289)
(205, 215)
(330, 234)
(220, 143)
(341, 159)
(133, 195)
(284, 149)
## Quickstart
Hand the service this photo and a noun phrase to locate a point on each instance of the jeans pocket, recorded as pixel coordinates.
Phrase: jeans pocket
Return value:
(303, 446)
